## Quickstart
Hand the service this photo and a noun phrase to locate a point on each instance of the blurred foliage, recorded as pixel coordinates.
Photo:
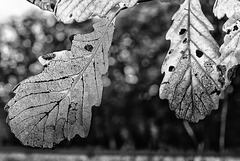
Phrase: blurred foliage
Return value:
(131, 116)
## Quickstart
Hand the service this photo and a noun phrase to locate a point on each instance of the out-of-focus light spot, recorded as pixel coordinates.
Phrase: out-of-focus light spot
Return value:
(131, 79)
(3, 64)
(8, 87)
(21, 69)
(153, 73)
(19, 57)
(12, 80)
(127, 41)
(153, 90)
(124, 56)
(145, 62)
(35, 68)
(134, 31)
(37, 48)
(111, 61)
(5, 52)
(8, 34)
(128, 70)
(12, 64)
(37, 28)
(154, 130)
(106, 81)
(60, 27)
(124, 133)
(49, 38)
(51, 20)
(60, 36)
(2, 90)
(118, 75)
(27, 43)
(230, 89)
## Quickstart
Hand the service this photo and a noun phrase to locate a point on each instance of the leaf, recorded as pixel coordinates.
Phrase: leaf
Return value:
(56, 104)
(44, 4)
(81, 10)
(191, 78)
(230, 50)
(225, 7)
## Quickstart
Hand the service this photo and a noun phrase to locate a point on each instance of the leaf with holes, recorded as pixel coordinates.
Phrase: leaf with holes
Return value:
(191, 78)
(56, 104)
(230, 50)
(225, 7)
(44, 4)
(81, 10)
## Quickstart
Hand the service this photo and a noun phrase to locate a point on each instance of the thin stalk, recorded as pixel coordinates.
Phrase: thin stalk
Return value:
(223, 125)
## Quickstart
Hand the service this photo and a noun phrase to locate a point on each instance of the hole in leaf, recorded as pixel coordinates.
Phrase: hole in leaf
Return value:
(71, 15)
(199, 53)
(182, 31)
(185, 56)
(52, 6)
(49, 56)
(185, 40)
(235, 28)
(171, 68)
(88, 47)
(228, 31)
(215, 91)
(170, 52)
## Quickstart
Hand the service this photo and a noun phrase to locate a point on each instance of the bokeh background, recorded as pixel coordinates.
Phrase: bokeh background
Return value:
(131, 116)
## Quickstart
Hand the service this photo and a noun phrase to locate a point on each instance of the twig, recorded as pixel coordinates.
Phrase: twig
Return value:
(190, 132)
(223, 124)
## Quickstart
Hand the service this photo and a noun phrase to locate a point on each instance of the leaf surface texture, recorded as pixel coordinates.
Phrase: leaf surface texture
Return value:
(56, 104)
(81, 10)
(225, 7)
(230, 49)
(191, 80)
(44, 4)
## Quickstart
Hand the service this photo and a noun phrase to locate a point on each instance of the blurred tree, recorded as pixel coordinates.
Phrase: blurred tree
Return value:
(131, 115)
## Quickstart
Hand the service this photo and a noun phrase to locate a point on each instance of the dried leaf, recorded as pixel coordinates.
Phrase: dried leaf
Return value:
(191, 78)
(230, 50)
(225, 7)
(44, 4)
(56, 104)
(81, 10)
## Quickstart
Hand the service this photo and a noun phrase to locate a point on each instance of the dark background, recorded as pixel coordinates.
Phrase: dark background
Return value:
(131, 116)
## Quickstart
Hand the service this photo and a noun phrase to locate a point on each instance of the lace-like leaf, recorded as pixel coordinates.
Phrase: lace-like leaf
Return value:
(225, 7)
(230, 50)
(44, 4)
(56, 104)
(81, 10)
(191, 78)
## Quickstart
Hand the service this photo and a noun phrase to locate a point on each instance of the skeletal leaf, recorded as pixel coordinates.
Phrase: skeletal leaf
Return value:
(81, 10)
(230, 50)
(56, 104)
(225, 7)
(191, 78)
(44, 4)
